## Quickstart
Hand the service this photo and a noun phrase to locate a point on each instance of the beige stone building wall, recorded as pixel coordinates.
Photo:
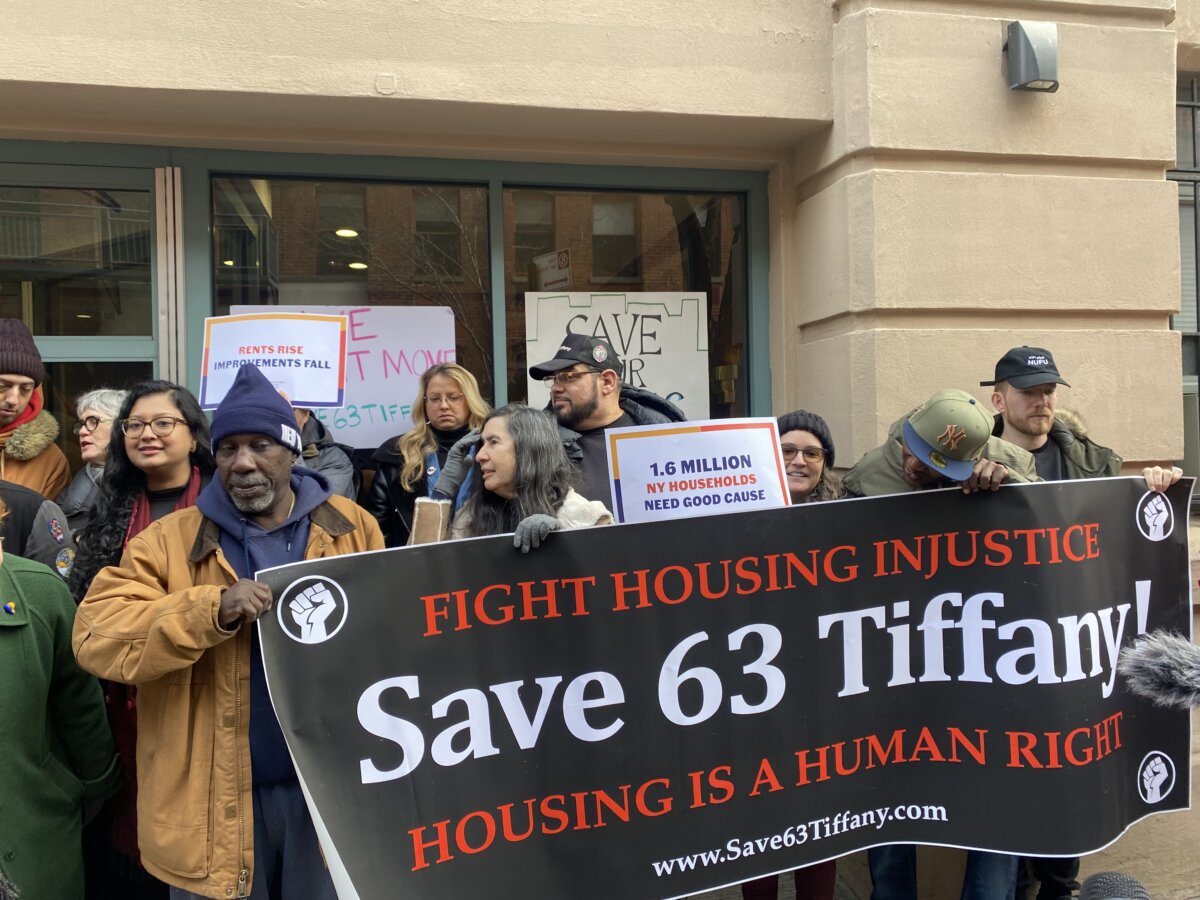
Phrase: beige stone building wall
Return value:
(923, 218)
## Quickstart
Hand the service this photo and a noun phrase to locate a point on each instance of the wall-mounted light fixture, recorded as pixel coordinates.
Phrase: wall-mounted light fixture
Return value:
(1032, 50)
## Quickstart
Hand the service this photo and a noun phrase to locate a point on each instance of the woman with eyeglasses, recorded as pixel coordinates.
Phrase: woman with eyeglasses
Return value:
(448, 406)
(96, 412)
(808, 456)
(160, 458)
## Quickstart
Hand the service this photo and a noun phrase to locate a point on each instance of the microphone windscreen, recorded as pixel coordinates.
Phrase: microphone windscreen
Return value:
(1112, 886)
(1164, 668)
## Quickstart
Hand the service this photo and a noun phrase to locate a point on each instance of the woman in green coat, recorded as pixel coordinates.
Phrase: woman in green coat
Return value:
(56, 752)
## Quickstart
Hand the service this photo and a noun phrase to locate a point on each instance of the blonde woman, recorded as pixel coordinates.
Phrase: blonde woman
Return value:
(448, 406)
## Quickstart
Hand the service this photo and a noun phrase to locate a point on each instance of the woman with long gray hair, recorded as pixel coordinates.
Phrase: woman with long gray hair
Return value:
(522, 483)
(95, 414)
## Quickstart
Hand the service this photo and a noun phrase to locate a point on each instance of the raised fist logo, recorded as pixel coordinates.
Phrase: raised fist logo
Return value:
(1155, 520)
(310, 608)
(313, 610)
(1155, 513)
(1156, 777)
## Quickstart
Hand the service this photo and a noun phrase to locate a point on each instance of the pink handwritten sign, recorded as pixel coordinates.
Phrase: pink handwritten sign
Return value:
(387, 349)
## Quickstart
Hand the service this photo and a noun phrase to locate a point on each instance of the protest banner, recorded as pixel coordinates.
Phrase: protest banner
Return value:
(662, 338)
(387, 349)
(684, 705)
(303, 355)
(695, 469)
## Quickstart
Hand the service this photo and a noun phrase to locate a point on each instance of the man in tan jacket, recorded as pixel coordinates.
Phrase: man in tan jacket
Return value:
(28, 454)
(220, 810)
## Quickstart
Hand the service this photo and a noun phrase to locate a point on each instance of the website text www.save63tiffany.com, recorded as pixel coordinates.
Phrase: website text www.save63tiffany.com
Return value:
(801, 833)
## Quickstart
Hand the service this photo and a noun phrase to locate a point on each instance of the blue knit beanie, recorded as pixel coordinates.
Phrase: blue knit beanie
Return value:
(253, 406)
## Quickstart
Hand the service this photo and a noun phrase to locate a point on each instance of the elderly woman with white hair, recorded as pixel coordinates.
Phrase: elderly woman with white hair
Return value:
(95, 412)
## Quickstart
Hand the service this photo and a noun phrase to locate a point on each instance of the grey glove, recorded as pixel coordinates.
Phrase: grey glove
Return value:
(458, 464)
(532, 530)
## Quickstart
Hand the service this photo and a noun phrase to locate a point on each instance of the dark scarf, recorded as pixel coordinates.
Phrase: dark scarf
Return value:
(139, 517)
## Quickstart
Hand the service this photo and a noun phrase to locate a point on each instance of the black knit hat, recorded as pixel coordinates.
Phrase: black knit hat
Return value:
(803, 420)
(18, 353)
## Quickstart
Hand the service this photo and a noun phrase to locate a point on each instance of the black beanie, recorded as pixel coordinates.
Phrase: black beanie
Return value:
(803, 420)
(18, 353)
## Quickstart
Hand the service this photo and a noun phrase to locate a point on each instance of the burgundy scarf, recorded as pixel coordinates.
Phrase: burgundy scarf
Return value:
(121, 699)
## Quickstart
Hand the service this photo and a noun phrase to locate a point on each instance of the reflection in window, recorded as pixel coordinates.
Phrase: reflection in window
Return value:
(76, 261)
(354, 244)
(67, 380)
(657, 242)
(438, 232)
(534, 234)
(614, 238)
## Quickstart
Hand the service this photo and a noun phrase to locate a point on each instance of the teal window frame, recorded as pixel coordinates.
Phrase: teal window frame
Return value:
(199, 166)
(68, 174)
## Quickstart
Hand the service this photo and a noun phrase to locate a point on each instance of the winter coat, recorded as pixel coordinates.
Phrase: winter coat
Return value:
(54, 740)
(36, 529)
(392, 506)
(152, 621)
(1081, 457)
(81, 495)
(323, 454)
(30, 457)
(880, 471)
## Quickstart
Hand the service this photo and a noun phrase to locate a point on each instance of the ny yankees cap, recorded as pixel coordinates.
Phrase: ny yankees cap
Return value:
(948, 433)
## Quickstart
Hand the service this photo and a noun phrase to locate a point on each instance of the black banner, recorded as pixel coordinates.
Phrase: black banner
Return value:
(689, 704)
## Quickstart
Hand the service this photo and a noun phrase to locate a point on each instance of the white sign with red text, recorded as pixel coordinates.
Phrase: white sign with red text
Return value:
(683, 469)
(387, 349)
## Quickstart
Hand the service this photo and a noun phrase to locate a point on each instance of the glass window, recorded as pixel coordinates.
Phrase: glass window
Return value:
(67, 380)
(533, 236)
(377, 244)
(614, 239)
(438, 234)
(658, 242)
(76, 262)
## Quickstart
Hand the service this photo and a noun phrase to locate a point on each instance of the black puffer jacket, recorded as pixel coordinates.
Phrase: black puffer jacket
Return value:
(386, 500)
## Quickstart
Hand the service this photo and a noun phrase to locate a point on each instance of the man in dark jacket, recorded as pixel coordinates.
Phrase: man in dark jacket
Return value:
(36, 529)
(1025, 391)
(588, 397)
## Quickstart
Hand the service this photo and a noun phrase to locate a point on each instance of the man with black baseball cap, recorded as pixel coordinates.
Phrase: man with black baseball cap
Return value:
(1025, 392)
(587, 396)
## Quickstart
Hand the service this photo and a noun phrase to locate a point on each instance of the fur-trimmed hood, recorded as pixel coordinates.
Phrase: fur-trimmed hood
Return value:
(28, 440)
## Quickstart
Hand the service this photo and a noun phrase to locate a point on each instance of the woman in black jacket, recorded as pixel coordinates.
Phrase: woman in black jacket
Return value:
(447, 407)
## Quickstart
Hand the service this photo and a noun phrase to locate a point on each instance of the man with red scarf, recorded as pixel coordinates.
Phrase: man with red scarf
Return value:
(28, 454)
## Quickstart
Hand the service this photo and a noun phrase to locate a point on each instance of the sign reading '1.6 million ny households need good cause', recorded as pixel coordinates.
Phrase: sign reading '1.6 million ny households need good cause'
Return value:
(695, 469)
(652, 710)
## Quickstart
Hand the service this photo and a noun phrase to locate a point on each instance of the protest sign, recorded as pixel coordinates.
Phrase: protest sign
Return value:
(695, 469)
(687, 704)
(302, 355)
(662, 338)
(387, 349)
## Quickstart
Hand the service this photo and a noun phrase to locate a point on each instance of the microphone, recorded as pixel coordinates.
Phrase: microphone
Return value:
(1163, 667)
(1112, 886)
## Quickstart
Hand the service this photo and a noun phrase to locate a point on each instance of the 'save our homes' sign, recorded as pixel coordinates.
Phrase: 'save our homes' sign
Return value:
(687, 704)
